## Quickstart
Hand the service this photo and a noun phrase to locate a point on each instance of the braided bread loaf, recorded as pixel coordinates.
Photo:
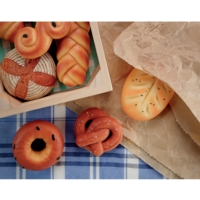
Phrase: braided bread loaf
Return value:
(34, 42)
(8, 30)
(73, 54)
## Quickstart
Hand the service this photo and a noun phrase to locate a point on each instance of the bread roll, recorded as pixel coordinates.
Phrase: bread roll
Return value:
(34, 42)
(8, 30)
(144, 96)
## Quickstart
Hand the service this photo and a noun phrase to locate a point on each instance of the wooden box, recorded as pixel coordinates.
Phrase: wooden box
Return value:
(99, 82)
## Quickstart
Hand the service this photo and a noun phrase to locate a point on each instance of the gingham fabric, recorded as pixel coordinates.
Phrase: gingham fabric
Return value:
(76, 162)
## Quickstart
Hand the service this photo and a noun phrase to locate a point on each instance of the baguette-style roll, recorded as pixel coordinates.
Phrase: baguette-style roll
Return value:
(8, 30)
(32, 43)
(144, 96)
(73, 55)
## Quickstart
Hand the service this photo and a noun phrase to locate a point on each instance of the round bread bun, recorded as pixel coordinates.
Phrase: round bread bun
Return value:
(37, 145)
(143, 96)
(28, 79)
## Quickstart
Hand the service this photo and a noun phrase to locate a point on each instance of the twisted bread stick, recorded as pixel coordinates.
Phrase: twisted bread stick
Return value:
(8, 30)
(72, 54)
(34, 42)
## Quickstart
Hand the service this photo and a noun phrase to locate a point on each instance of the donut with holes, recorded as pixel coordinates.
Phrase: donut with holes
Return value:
(38, 145)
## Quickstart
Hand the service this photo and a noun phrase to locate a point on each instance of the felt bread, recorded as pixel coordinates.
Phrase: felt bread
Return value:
(27, 79)
(8, 30)
(73, 54)
(143, 96)
(34, 42)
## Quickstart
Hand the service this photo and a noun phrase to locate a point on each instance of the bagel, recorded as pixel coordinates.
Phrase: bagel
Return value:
(37, 145)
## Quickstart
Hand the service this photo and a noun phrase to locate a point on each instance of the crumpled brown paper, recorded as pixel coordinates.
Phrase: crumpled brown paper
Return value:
(169, 51)
(160, 142)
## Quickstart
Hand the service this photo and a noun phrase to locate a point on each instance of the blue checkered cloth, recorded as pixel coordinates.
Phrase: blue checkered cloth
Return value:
(76, 162)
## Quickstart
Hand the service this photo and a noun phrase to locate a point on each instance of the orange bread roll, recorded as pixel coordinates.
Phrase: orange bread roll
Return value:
(8, 30)
(34, 42)
(144, 96)
(73, 54)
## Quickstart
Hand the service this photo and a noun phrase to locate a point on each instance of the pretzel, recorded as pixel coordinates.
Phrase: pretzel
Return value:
(35, 42)
(73, 55)
(8, 30)
(97, 132)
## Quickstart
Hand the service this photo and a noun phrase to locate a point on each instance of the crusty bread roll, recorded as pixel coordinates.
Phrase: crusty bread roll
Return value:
(73, 54)
(34, 42)
(8, 30)
(28, 79)
(144, 96)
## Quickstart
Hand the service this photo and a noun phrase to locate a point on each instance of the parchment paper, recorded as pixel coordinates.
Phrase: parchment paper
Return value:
(160, 142)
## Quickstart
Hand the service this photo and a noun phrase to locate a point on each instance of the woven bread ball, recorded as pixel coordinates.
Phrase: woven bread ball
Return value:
(28, 79)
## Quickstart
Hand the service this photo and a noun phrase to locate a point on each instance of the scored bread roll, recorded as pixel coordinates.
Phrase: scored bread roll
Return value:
(73, 55)
(28, 79)
(143, 96)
